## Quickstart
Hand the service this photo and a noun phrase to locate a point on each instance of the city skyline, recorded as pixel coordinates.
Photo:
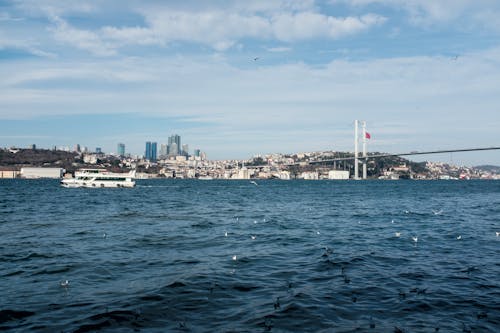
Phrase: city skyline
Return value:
(239, 79)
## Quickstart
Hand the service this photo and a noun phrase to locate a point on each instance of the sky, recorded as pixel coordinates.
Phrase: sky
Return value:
(240, 78)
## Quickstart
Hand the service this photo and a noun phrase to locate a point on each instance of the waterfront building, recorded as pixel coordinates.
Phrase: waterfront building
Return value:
(35, 172)
(98, 150)
(120, 150)
(77, 148)
(338, 174)
(197, 153)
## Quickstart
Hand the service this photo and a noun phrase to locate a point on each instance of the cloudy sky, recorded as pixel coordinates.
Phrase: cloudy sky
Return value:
(238, 78)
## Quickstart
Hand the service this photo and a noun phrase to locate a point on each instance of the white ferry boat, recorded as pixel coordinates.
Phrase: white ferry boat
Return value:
(99, 178)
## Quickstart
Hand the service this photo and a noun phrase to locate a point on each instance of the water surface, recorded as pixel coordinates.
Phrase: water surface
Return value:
(220, 256)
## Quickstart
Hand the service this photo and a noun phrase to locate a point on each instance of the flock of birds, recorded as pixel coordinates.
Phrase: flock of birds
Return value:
(397, 234)
(65, 284)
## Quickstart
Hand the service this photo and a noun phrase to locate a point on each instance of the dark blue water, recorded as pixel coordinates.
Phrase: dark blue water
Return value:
(313, 256)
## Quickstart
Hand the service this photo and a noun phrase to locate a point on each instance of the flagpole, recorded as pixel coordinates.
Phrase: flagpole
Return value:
(364, 149)
(356, 170)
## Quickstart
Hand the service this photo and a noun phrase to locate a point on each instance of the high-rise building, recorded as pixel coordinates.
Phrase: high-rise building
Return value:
(147, 153)
(197, 152)
(153, 151)
(120, 150)
(78, 148)
(177, 140)
(150, 153)
(185, 150)
(172, 149)
(163, 150)
(98, 150)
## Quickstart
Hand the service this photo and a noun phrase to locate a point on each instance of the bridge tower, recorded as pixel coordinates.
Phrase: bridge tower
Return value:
(356, 140)
(356, 149)
(364, 149)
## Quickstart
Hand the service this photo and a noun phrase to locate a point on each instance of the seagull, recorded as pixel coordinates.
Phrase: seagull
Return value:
(254, 182)
(415, 238)
(256, 58)
(498, 233)
(255, 222)
(317, 233)
(459, 237)
(407, 212)
(234, 257)
(392, 221)
(398, 234)
(253, 237)
(225, 234)
(104, 235)
(437, 212)
(65, 283)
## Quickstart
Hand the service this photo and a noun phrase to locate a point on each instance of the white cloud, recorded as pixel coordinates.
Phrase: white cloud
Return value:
(24, 45)
(429, 12)
(80, 38)
(220, 27)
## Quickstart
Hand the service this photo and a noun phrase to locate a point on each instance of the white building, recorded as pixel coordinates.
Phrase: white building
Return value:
(313, 175)
(90, 158)
(9, 173)
(34, 173)
(338, 174)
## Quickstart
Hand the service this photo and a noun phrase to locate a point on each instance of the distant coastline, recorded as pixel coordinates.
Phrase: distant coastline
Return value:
(308, 166)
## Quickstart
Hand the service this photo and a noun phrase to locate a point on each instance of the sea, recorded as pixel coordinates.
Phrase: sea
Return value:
(235, 256)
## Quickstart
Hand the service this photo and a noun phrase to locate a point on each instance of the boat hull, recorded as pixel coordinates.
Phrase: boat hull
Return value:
(73, 183)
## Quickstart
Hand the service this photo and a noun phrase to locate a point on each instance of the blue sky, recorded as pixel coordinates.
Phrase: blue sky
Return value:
(424, 74)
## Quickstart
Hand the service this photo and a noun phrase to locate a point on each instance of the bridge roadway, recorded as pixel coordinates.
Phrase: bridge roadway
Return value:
(361, 158)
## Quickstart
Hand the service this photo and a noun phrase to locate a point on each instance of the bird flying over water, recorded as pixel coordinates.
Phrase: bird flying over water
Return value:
(459, 237)
(254, 182)
(415, 238)
(398, 234)
(437, 212)
(65, 283)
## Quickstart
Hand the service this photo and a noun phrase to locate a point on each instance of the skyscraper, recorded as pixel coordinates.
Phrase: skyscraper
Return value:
(185, 150)
(151, 149)
(174, 139)
(147, 153)
(173, 150)
(121, 149)
(163, 150)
